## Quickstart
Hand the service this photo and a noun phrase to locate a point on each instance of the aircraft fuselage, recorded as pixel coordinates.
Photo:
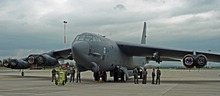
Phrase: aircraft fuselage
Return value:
(91, 50)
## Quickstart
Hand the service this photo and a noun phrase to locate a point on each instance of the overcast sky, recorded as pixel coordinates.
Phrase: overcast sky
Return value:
(36, 26)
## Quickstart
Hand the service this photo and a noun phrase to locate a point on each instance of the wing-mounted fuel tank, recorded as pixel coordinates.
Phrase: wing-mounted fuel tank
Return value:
(45, 59)
(199, 61)
(16, 63)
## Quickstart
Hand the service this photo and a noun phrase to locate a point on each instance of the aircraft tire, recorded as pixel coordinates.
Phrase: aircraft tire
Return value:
(104, 77)
(115, 76)
(125, 78)
(96, 76)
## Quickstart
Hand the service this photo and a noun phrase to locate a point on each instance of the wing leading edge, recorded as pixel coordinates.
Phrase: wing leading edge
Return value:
(148, 51)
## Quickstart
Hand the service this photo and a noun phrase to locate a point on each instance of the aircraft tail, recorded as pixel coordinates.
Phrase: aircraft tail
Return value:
(144, 36)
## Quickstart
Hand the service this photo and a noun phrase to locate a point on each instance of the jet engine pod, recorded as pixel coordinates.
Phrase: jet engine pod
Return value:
(6, 63)
(46, 60)
(31, 59)
(14, 62)
(19, 64)
(201, 60)
(41, 60)
(189, 61)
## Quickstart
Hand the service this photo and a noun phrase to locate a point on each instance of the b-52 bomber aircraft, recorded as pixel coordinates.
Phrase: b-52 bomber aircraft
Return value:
(100, 55)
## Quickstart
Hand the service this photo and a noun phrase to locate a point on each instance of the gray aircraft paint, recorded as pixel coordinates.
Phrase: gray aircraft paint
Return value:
(97, 53)
(110, 54)
(105, 53)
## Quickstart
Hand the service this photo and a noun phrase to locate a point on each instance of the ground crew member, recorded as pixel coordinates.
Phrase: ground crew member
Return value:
(53, 74)
(72, 74)
(135, 71)
(153, 76)
(78, 78)
(144, 73)
(158, 76)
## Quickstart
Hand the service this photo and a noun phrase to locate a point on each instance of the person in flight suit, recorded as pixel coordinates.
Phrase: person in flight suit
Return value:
(153, 76)
(135, 71)
(72, 74)
(158, 76)
(144, 77)
(78, 77)
(53, 74)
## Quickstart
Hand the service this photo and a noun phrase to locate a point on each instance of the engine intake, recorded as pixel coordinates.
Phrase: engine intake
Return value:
(199, 61)
(31, 59)
(6, 63)
(46, 60)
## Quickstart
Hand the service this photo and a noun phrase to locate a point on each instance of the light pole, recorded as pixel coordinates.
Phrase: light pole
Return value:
(65, 23)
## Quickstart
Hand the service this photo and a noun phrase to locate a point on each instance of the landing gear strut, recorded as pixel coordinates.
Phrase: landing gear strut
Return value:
(100, 74)
(119, 73)
(22, 72)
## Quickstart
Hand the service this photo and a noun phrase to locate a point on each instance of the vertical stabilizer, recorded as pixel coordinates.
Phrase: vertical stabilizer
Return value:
(144, 36)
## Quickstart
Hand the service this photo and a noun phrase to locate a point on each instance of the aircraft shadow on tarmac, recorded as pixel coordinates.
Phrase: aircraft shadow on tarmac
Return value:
(130, 80)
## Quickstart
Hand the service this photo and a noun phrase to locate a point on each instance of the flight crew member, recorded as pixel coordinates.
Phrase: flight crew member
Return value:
(153, 76)
(53, 74)
(144, 73)
(135, 71)
(72, 74)
(158, 76)
(78, 78)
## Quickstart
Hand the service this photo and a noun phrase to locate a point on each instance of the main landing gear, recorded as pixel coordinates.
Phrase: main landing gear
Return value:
(119, 74)
(100, 74)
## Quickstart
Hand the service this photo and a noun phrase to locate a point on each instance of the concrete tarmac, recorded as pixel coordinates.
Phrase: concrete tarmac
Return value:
(173, 83)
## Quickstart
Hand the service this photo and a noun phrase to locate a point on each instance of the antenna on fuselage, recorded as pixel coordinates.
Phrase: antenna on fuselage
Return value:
(144, 36)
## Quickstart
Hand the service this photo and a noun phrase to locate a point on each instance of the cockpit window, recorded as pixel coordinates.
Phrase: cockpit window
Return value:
(77, 37)
(97, 39)
(81, 37)
(87, 37)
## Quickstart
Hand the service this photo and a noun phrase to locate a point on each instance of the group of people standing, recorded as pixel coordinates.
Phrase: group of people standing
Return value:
(72, 72)
(154, 74)
(136, 72)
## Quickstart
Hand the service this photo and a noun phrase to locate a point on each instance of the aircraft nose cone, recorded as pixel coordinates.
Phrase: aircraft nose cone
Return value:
(80, 48)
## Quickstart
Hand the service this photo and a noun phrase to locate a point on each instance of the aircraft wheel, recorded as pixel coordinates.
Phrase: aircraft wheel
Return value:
(123, 77)
(104, 77)
(96, 76)
(115, 76)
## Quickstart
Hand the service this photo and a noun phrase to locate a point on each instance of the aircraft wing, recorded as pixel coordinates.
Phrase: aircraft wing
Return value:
(148, 51)
(165, 59)
(62, 53)
(45, 59)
